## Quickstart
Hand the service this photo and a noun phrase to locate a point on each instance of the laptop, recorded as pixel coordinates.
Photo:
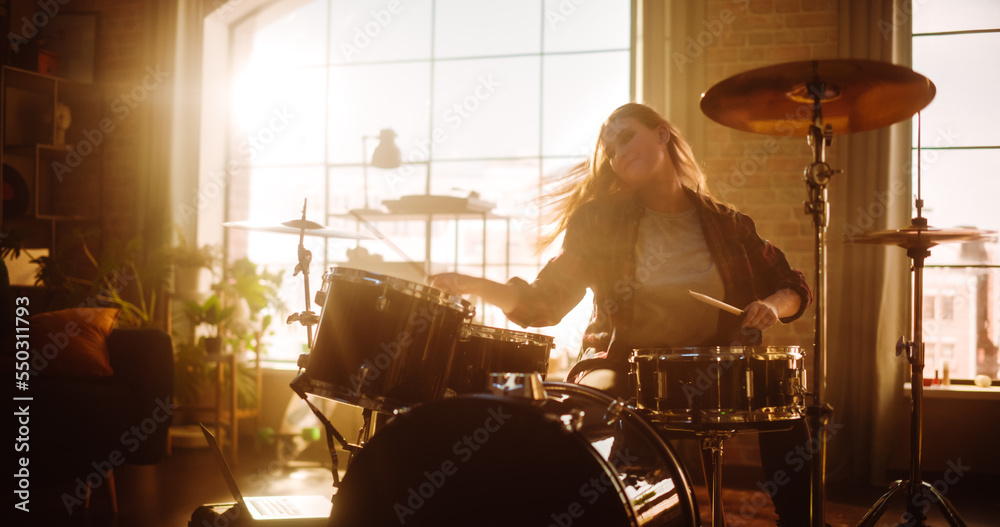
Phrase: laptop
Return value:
(286, 510)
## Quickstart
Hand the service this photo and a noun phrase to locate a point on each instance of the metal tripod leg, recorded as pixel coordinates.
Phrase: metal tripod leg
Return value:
(914, 517)
(712, 442)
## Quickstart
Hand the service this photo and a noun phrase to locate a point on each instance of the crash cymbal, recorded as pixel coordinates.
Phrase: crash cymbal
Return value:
(916, 236)
(857, 95)
(296, 227)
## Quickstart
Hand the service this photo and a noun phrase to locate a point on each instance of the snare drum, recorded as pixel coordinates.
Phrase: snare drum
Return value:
(482, 350)
(383, 343)
(576, 457)
(721, 387)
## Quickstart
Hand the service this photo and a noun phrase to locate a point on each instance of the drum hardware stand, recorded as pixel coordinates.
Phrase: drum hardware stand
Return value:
(912, 487)
(817, 177)
(331, 432)
(711, 443)
(307, 318)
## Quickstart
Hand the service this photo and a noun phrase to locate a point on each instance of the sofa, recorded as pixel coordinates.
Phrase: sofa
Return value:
(100, 397)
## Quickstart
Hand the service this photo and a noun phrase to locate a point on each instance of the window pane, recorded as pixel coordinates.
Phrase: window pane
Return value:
(591, 25)
(932, 16)
(955, 63)
(469, 28)
(968, 340)
(377, 30)
(292, 34)
(279, 118)
(960, 188)
(486, 108)
(576, 102)
(366, 99)
(511, 185)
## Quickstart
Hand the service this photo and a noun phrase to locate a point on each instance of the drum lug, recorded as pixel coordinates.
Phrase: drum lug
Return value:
(381, 303)
(303, 361)
(572, 421)
(750, 384)
(613, 412)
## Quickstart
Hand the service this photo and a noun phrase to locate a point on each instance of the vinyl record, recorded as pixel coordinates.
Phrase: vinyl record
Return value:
(15, 193)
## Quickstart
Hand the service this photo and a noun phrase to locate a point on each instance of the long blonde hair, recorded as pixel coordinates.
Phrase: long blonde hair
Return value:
(594, 178)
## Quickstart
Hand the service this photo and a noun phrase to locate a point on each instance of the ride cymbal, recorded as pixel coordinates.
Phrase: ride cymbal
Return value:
(856, 96)
(916, 236)
(309, 228)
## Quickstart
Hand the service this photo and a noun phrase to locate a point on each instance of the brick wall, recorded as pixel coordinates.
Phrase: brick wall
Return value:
(760, 174)
(128, 79)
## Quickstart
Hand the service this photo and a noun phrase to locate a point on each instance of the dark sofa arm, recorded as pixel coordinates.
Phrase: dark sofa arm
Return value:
(143, 359)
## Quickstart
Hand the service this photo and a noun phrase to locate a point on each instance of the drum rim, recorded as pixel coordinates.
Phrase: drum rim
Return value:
(401, 285)
(519, 337)
(715, 352)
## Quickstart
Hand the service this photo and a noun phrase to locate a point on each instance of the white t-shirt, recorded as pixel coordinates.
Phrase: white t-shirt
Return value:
(672, 257)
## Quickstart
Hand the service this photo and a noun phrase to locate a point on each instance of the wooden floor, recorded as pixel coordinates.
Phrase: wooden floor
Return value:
(166, 494)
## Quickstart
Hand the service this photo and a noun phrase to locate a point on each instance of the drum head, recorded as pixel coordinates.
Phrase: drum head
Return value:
(475, 461)
(487, 460)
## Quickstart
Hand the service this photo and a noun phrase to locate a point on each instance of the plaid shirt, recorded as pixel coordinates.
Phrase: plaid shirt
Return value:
(599, 253)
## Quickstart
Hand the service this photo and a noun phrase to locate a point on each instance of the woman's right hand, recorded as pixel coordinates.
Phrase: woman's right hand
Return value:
(501, 295)
(452, 283)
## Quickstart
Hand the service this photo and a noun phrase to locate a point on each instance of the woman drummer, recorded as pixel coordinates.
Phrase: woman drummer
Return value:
(641, 230)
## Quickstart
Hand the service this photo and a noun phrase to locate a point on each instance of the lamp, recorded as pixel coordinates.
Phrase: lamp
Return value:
(386, 154)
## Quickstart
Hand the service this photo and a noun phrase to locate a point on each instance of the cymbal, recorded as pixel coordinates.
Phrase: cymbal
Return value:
(296, 227)
(917, 236)
(859, 95)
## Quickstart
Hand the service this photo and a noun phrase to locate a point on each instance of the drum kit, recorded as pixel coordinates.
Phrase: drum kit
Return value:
(467, 430)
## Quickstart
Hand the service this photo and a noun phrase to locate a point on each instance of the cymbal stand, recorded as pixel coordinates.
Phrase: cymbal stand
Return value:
(817, 177)
(307, 318)
(915, 354)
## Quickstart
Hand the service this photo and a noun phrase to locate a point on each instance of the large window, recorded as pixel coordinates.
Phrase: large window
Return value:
(956, 44)
(483, 96)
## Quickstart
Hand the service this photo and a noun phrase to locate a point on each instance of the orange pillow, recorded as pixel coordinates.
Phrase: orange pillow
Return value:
(72, 342)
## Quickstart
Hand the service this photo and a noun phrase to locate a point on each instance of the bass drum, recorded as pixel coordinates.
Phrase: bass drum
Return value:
(577, 457)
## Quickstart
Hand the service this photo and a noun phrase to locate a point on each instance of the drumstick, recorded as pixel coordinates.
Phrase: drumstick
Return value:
(715, 303)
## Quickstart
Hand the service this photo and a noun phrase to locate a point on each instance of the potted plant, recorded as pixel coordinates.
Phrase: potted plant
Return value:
(211, 314)
(188, 261)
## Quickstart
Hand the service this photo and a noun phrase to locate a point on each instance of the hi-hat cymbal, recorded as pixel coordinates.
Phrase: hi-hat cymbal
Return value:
(857, 95)
(296, 227)
(917, 236)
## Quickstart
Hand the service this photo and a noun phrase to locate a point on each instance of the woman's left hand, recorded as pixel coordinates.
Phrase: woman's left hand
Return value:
(760, 315)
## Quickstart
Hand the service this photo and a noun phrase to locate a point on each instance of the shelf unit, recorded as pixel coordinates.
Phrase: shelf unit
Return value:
(51, 185)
